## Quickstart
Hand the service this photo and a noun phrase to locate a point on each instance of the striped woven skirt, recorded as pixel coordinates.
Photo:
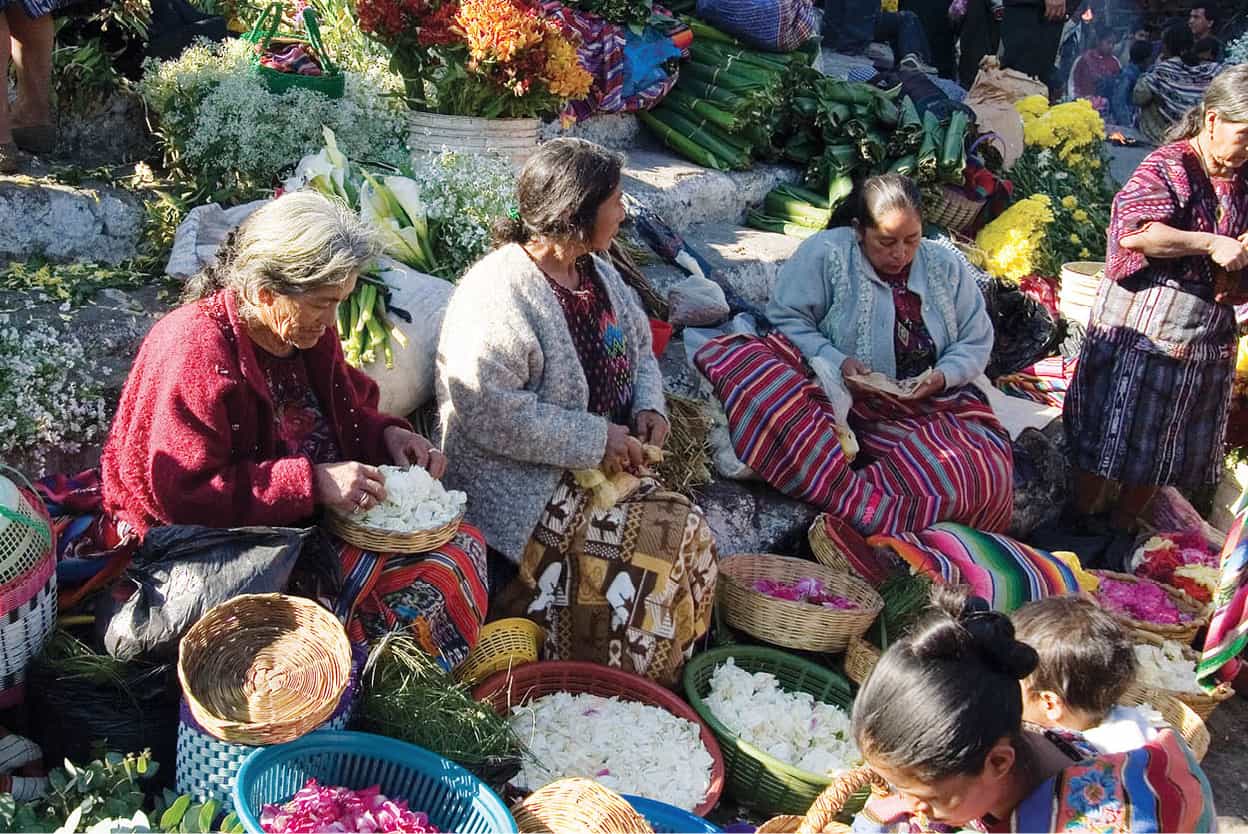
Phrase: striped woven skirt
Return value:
(945, 458)
(1138, 417)
(441, 597)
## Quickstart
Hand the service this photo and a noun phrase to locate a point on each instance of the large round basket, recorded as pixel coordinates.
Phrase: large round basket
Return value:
(831, 811)
(1202, 703)
(1177, 714)
(517, 686)
(755, 778)
(577, 806)
(795, 625)
(1182, 633)
(515, 139)
(949, 207)
(454, 799)
(264, 668)
(1077, 293)
(27, 582)
(389, 541)
(502, 644)
(827, 553)
(860, 660)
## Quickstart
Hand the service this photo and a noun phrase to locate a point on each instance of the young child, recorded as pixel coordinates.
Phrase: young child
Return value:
(1122, 108)
(1086, 664)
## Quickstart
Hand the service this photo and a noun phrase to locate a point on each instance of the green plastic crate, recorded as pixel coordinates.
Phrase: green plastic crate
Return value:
(754, 778)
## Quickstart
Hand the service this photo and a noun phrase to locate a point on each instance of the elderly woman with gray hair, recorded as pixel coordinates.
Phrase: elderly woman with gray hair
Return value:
(545, 369)
(240, 411)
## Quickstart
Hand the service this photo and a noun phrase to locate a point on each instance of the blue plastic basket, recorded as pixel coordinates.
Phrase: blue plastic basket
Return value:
(454, 799)
(668, 819)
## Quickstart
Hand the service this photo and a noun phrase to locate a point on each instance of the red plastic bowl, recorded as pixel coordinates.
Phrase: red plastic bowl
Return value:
(660, 335)
(521, 684)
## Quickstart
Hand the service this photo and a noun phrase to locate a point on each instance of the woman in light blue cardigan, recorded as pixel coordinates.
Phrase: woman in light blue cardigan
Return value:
(879, 298)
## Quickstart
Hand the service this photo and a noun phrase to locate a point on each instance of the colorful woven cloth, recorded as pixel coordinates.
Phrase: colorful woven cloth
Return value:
(1003, 571)
(1045, 382)
(946, 458)
(1158, 787)
(630, 587)
(1228, 630)
(91, 548)
(441, 597)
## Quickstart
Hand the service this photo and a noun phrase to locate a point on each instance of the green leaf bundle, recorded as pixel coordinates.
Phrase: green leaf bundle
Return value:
(952, 161)
(766, 223)
(928, 163)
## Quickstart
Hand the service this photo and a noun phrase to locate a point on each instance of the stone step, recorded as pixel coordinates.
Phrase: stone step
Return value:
(749, 259)
(683, 193)
(618, 131)
(39, 218)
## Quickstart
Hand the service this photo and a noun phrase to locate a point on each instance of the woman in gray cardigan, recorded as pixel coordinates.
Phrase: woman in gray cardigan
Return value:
(545, 369)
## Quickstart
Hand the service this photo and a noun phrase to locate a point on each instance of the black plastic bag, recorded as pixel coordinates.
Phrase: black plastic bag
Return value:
(182, 570)
(176, 24)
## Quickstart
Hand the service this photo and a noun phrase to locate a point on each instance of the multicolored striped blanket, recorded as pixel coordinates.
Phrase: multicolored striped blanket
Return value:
(943, 458)
(1228, 630)
(1045, 382)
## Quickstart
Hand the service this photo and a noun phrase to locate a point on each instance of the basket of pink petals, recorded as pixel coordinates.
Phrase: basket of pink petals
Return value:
(1144, 605)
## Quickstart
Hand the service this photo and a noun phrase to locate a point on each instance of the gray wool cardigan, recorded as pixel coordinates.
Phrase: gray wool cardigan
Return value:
(513, 398)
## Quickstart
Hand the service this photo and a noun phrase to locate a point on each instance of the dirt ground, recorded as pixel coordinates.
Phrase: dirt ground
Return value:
(1226, 764)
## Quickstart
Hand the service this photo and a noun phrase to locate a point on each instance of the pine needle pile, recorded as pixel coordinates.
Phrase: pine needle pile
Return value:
(906, 596)
(686, 459)
(406, 695)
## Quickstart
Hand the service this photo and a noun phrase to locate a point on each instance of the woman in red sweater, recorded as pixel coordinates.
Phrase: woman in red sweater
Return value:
(240, 411)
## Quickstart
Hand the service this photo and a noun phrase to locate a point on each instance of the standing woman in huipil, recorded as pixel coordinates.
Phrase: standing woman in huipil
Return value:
(1148, 404)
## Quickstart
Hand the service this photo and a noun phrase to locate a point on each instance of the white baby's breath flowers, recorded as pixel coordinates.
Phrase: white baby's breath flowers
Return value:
(630, 747)
(415, 501)
(794, 727)
(1165, 667)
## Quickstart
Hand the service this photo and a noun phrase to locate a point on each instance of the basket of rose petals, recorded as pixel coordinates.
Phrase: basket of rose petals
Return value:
(334, 780)
(1151, 607)
(795, 603)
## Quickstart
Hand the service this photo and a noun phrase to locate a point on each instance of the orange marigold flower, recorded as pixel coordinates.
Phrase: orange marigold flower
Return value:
(498, 30)
(564, 75)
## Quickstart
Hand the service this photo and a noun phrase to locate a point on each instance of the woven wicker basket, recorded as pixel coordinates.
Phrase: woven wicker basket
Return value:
(1202, 703)
(264, 668)
(1184, 633)
(503, 644)
(794, 625)
(828, 814)
(952, 209)
(577, 806)
(512, 687)
(860, 659)
(825, 551)
(1178, 715)
(388, 541)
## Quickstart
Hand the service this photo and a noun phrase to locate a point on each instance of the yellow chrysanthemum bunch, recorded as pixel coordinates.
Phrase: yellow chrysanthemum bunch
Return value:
(1072, 130)
(888, 5)
(564, 75)
(1011, 243)
(498, 30)
(1031, 107)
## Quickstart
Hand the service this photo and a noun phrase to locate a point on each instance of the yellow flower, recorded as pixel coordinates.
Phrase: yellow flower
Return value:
(1032, 106)
(497, 30)
(888, 5)
(1069, 201)
(1084, 253)
(1012, 242)
(563, 74)
(1080, 216)
(1073, 130)
(1075, 239)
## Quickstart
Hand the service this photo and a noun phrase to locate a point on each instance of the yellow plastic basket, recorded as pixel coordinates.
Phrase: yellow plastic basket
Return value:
(503, 644)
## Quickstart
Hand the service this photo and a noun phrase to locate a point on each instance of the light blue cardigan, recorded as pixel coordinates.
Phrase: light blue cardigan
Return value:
(829, 302)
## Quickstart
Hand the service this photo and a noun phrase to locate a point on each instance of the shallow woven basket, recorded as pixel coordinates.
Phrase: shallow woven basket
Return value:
(502, 644)
(794, 625)
(860, 660)
(952, 209)
(1178, 715)
(577, 806)
(1184, 633)
(825, 551)
(827, 813)
(1202, 703)
(264, 668)
(388, 541)
(513, 687)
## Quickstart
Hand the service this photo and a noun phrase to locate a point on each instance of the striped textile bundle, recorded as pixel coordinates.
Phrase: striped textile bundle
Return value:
(1228, 630)
(1045, 382)
(944, 458)
(1003, 571)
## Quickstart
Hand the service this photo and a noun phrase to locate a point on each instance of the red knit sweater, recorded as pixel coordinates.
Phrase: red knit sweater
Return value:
(194, 440)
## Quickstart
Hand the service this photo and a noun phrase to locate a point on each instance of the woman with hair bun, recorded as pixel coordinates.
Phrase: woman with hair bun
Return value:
(545, 368)
(941, 719)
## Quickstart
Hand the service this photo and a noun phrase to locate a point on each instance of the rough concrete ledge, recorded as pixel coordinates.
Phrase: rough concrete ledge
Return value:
(619, 131)
(61, 223)
(754, 518)
(749, 259)
(683, 193)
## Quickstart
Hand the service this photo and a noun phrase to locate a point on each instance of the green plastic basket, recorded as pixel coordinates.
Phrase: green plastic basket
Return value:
(754, 778)
(331, 83)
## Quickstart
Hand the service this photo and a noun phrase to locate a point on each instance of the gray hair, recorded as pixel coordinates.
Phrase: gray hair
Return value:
(293, 245)
(1227, 94)
(886, 193)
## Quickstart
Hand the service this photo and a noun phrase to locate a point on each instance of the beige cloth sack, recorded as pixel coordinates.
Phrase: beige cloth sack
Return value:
(997, 85)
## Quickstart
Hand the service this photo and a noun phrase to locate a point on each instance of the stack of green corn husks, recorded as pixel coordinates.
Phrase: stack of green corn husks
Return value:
(843, 131)
(730, 103)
